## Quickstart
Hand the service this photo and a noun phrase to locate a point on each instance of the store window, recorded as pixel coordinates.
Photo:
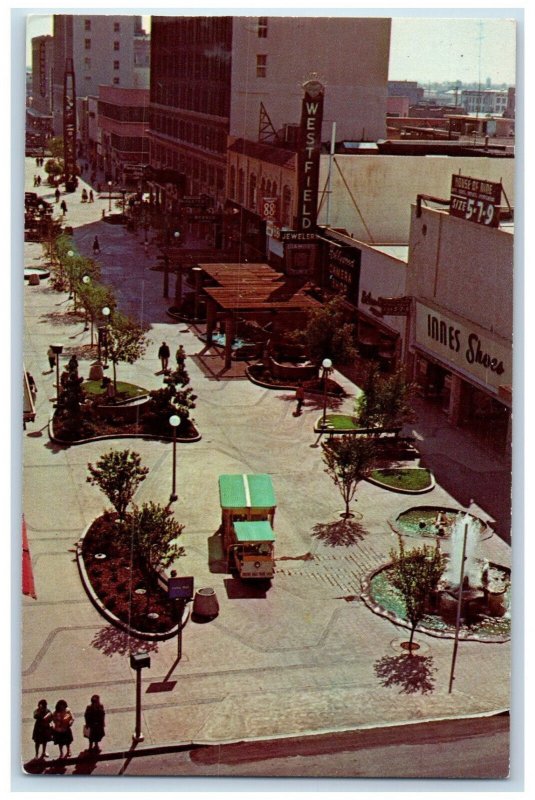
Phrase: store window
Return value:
(261, 66)
(262, 27)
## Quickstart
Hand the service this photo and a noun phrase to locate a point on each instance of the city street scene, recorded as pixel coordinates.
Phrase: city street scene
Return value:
(267, 397)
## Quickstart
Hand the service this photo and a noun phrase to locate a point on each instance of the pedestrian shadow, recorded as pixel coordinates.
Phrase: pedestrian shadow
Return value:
(113, 641)
(86, 762)
(413, 674)
(61, 318)
(343, 532)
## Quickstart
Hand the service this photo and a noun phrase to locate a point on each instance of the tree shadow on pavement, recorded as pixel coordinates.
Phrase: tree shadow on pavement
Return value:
(62, 318)
(410, 672)
(113, 641)
(340, 532)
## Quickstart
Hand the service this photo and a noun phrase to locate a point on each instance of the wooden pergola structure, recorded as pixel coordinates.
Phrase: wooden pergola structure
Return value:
(248, 290)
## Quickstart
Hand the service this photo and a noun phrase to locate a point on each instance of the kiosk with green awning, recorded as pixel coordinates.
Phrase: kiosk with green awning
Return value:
(248, 511)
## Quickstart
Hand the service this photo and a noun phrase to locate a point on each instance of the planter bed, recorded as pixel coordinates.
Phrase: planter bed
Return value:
(257, 374)
(111, 428)
(407, 480)
(118, 583)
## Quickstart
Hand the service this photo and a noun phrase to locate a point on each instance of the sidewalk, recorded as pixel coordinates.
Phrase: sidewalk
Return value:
(299, 659)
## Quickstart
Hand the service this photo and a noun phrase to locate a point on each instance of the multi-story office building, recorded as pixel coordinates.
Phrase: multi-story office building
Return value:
(123, 123)
(39, 107)
(488, 101)
(103, 52)
(216, 80)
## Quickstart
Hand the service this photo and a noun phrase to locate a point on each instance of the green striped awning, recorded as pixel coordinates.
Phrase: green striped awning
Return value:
(246, 491)
(254, 531)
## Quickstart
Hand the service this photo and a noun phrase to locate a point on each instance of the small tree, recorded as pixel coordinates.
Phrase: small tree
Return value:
(126, 340)
(349, 459)
(118, 473)
(386, 401)
(328, 334)
(70, 400)
(155, 535)
(415, 574)
(93, 298)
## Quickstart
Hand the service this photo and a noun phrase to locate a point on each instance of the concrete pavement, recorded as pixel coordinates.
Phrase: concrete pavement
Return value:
(298, 659)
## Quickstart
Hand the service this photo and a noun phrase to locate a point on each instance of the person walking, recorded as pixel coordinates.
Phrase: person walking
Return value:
(84, 195)
(42, 730)
(57, 195)
(96, 245)
(300, 398)
(63, 207)
(51, 358)
(163, 355)
(180, 356)
(62, 721)
(91, 196)
(94, 722)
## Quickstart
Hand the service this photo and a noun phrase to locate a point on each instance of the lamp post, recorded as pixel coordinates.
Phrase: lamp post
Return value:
(57, 349)
(174, 421)
(105, 313)
(109, 197)
(87, 280)
(70, 254)
(326, 366)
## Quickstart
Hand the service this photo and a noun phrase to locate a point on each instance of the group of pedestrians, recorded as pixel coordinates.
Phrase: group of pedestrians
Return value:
(164, 354)
(37, 180)
(56, 726)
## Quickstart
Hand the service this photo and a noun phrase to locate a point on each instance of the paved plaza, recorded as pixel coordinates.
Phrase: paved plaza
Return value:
(302, 657)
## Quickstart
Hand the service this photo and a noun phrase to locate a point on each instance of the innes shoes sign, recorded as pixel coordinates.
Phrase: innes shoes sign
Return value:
(468, 349)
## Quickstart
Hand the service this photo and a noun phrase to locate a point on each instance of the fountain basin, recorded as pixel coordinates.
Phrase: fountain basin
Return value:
(485, 610)
(435, 522)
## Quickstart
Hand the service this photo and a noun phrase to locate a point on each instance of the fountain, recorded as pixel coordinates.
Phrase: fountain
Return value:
(484, 589)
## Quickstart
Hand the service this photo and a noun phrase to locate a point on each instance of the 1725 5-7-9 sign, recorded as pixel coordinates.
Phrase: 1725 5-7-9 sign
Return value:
(475, 200)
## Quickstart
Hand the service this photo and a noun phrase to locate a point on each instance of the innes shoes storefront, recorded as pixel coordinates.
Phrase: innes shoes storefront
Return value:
(467, 369)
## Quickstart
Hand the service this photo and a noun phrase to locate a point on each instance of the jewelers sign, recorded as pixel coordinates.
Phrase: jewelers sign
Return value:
(475, 200)
(469, 349)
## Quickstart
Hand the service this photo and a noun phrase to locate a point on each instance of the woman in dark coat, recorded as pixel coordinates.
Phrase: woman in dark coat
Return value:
(94, 719)
(42, 732)
(62, 720)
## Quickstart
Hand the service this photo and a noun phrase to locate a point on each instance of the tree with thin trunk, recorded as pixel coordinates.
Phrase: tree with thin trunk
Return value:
(386, 401)
(126, 340)
(155, 535)
(329, 334)
(349, 459)
(415, 574)
(118, 474)
(93, 298)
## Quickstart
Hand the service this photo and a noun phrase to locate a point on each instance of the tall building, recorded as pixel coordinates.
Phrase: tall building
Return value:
(216, 80)
(103, 52)
(39, 106)
(487, 101)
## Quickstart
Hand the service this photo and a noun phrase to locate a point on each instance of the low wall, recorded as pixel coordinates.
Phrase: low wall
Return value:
(292, 372)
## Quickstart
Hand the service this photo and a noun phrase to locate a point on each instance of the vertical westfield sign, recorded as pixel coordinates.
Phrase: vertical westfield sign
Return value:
(309, 156)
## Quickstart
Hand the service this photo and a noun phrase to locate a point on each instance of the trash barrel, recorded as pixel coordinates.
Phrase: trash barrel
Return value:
(205, 603)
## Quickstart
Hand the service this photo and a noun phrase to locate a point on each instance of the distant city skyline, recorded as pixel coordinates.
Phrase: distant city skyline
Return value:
(424, 49)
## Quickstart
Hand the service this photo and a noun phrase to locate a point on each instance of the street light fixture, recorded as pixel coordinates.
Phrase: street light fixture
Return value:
(174, 421)
(87, 280)
(176, 236)
(326, 365)
(109, 199)
(70, 254)
(105, 313)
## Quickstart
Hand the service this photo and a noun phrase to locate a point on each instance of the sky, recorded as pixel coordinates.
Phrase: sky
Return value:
(428, 50)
